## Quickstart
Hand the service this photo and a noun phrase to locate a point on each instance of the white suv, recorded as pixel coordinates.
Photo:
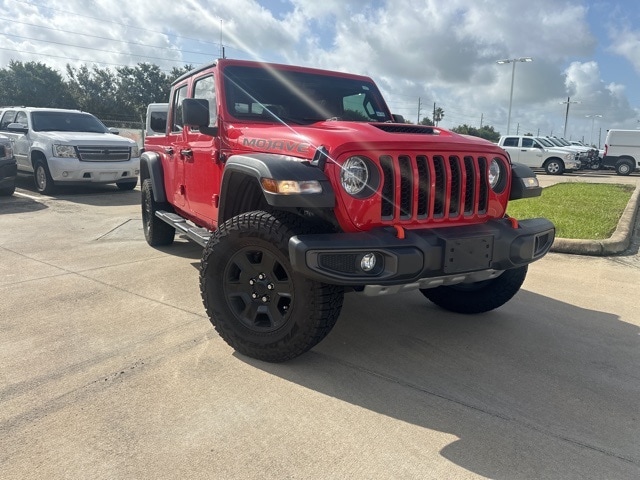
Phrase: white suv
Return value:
(69, 147)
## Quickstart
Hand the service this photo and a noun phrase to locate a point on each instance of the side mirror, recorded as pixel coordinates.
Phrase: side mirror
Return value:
(195, 113)
(398, 118)
(115, 131)
(18, 127)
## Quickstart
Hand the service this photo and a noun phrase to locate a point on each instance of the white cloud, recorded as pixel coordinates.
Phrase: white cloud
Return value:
(441, 52)
(626, 43)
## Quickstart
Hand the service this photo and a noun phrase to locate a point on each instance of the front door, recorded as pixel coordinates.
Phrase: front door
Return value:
(202, 167)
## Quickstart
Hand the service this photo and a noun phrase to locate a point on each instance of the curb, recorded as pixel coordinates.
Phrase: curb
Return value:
(618, 242)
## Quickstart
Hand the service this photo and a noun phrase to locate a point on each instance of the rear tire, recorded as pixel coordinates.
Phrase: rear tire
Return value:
(478, 297)
(624, 168)
(42, 177)
(255, 300)
(156, 232)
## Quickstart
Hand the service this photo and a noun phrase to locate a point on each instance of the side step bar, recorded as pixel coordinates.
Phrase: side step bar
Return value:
(197, 234)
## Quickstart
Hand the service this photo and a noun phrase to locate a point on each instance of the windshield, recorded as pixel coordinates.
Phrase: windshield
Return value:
(545, 142)
(300, 97)
(66, 122)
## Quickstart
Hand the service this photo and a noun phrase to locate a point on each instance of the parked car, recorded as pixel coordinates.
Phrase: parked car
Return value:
(622, 151)
(582, 144)
(8, 168)
(588, 156)
(61, 146)
(539, 153)
(156, 119)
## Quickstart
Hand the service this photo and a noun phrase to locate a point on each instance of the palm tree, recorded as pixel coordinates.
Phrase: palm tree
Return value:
(438, 114)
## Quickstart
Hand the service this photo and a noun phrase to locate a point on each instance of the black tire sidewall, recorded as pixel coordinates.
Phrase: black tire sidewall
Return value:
(489, 294)
(301, 329)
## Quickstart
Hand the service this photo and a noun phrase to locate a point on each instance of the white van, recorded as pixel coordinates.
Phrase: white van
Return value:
(622, 151)
(156, 119)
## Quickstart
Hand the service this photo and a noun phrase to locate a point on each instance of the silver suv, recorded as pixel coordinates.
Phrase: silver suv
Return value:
(69, 147)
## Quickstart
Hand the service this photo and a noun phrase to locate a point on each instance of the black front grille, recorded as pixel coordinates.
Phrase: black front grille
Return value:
(433, 187)
(103, 154)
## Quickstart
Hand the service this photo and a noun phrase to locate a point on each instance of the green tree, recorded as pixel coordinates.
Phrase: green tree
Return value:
(426, 121)
(34, 84)
(487, 132)
(141, 85)
(95, 91)
(438, 115)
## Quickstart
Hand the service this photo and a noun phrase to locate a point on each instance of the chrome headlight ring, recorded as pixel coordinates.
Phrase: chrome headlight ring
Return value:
(359, 177)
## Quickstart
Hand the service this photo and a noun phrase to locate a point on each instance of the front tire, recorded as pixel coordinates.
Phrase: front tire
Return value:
(478, 297)
(8, 191)
(42, 177)
(156, 232)
(554, 166)
(255, 300)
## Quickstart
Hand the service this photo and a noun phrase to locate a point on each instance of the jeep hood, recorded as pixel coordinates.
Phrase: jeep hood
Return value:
(340, 137)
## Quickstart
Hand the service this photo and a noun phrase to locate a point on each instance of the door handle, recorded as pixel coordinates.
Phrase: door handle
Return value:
(187, 152)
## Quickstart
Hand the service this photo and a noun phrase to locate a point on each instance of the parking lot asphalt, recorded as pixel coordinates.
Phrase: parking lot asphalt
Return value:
(109, 368)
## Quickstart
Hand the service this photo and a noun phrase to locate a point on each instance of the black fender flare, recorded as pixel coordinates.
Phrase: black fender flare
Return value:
(519, 189)
(277, 167)
(151, 167)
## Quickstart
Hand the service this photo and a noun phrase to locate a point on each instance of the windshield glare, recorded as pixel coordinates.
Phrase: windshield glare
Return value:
(300, 97)
(66, 122)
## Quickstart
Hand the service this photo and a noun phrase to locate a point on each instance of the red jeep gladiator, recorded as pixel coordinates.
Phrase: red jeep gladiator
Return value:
(301, 185)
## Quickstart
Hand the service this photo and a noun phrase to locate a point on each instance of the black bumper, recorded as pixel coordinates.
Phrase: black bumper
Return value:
(336, 258)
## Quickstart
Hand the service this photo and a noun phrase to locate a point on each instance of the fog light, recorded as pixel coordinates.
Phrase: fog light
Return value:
(65, 174)
(368, 262)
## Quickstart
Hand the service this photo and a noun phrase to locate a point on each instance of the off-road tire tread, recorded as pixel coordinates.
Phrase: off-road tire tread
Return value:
(322, 306)
(158, 233)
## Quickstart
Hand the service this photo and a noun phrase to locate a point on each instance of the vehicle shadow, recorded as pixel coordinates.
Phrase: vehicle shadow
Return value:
(85, 194)
(536, 389)
(19, 204)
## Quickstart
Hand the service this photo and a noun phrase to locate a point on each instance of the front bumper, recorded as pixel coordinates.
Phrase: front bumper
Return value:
(446, 253)
(71, 170)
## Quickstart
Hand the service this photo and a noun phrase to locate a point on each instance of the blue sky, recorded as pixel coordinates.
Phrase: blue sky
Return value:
(420, 52)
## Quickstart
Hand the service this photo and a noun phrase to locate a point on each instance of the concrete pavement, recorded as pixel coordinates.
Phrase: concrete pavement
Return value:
(110, 369)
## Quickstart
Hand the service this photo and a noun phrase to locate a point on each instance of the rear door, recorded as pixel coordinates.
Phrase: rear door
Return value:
(512, 146)
(531, 152)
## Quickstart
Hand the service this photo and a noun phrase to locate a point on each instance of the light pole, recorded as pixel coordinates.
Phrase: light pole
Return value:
(513, 74)
(593, 119)
(566, 115)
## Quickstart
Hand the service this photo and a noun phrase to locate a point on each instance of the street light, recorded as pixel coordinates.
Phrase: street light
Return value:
(593, 119)
(513, 74)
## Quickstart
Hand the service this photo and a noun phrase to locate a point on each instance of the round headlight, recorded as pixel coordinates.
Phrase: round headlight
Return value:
(354, 175)
(494, 173)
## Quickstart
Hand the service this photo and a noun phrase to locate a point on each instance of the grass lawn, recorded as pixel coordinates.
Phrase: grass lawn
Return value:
(578, 210)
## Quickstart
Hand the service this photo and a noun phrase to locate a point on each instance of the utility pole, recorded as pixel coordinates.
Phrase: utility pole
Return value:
(481, 118)
(434, 113)
(566, 115)
(419, 104)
